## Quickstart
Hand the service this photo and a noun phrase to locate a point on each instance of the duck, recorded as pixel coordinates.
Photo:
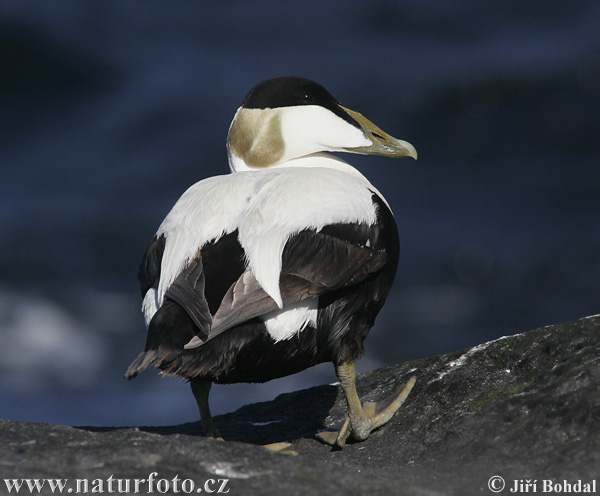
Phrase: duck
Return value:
(281, 264)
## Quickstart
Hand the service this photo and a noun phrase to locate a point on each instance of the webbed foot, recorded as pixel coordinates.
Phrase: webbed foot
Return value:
(362, 419)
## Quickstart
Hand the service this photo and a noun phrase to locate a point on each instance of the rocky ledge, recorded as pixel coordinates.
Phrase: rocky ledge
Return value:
(524, 407)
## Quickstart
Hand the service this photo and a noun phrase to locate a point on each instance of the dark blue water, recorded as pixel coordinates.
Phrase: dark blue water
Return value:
(110, 110)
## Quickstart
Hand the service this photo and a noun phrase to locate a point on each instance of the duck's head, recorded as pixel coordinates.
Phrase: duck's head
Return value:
(289, 117)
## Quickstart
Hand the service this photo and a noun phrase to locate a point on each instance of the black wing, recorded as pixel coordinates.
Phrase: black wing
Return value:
(218, 292)
(313, 263)
(187, 290)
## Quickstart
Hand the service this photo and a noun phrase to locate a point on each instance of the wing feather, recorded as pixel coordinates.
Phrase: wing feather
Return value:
(313, 263)
(187, 290)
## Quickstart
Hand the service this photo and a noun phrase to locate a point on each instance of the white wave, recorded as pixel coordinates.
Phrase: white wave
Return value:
(43, 343)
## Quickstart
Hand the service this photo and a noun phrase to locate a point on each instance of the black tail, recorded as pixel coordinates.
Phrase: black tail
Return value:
(169, 330)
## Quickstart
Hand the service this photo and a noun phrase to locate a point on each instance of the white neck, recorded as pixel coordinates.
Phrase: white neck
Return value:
(319, 159)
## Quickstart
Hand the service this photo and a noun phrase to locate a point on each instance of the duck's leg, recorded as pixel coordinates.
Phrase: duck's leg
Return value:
(362, 419)
(201, 389)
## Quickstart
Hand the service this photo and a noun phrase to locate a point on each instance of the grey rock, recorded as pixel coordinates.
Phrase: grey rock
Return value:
(520, 407)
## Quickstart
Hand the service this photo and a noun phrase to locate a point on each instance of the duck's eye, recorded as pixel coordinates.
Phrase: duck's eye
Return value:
(307, 98)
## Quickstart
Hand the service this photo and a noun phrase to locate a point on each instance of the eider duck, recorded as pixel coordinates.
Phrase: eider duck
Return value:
(282, 264)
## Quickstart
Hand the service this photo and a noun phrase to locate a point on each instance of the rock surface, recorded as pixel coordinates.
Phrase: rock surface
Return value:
(521, 407)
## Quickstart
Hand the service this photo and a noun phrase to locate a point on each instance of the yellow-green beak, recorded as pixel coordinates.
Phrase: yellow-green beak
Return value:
(383, 143)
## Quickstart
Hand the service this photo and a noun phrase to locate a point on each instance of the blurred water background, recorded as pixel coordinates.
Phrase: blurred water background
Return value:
(110, 110)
